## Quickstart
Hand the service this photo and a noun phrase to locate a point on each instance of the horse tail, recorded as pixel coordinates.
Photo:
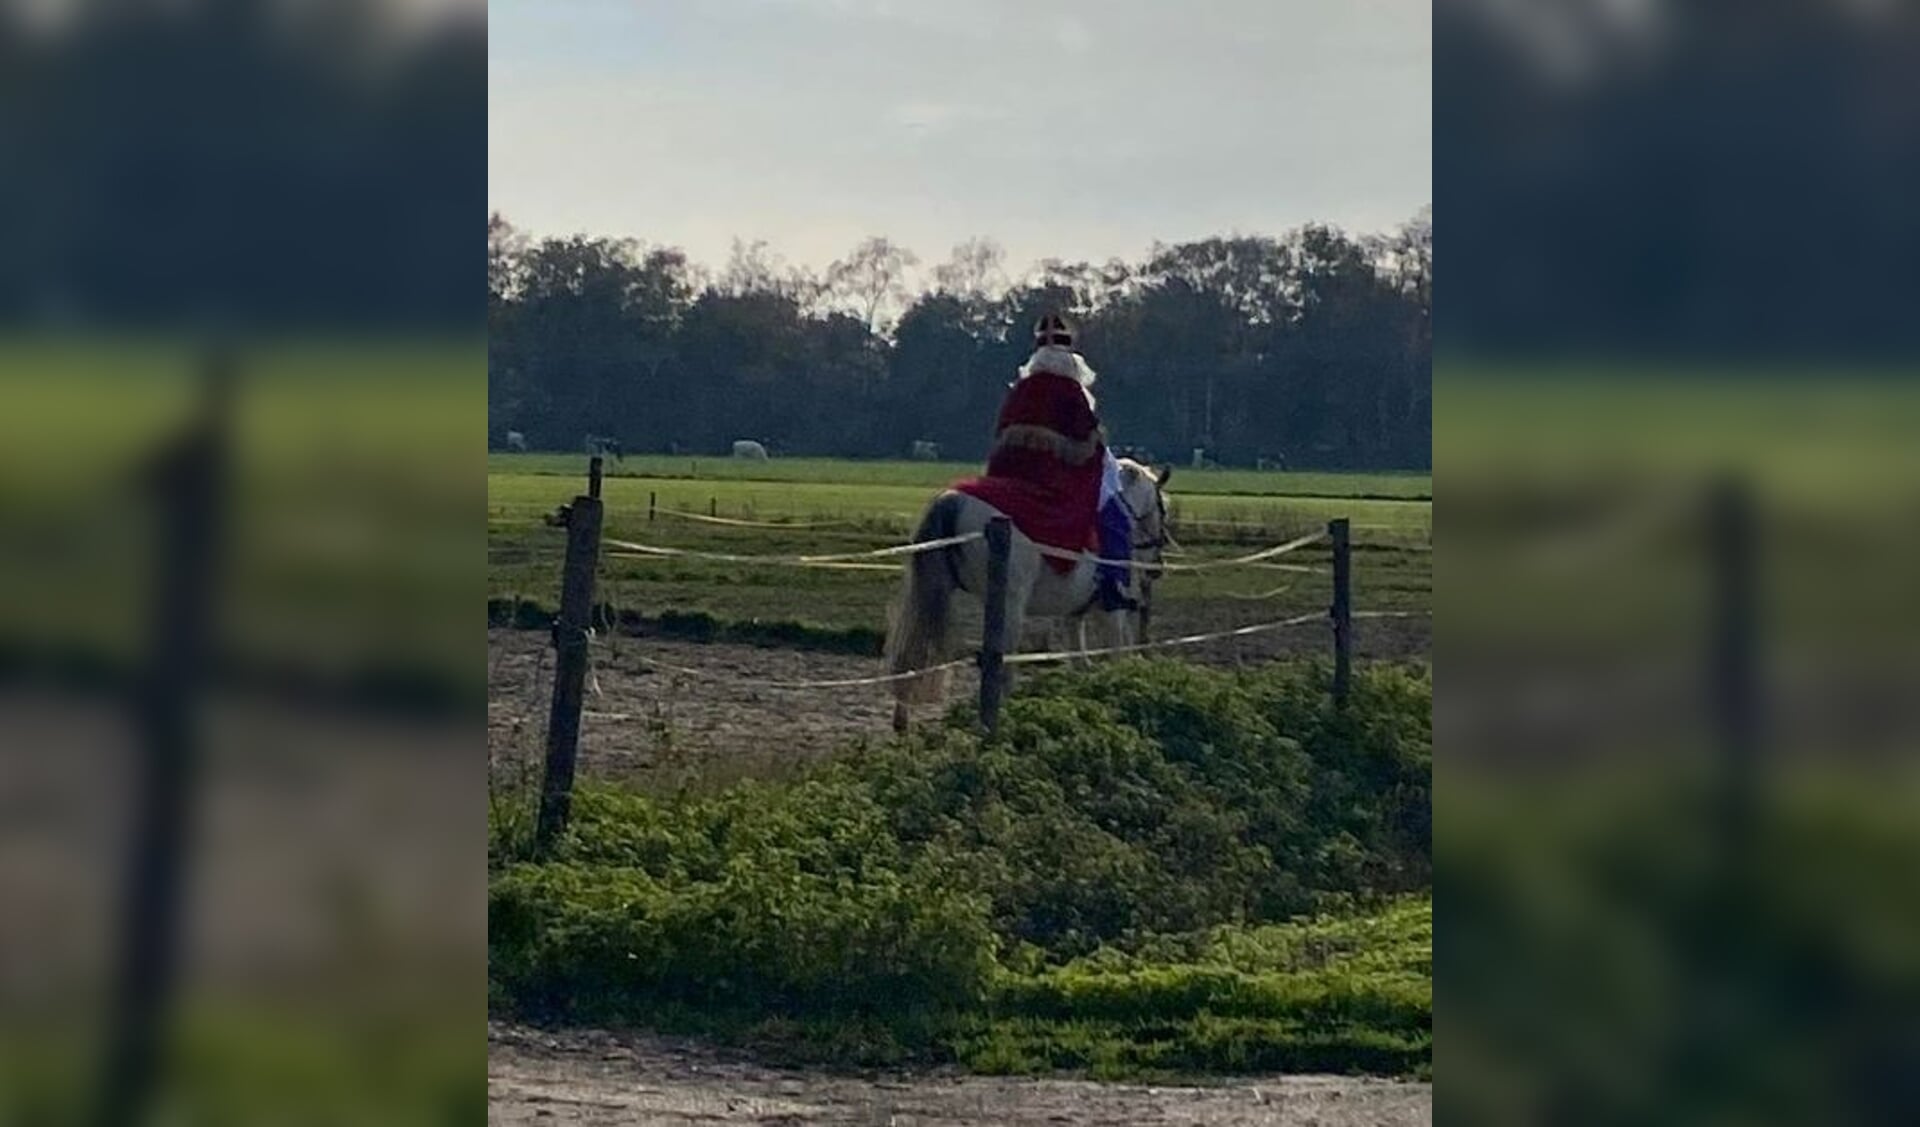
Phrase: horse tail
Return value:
(921, 619)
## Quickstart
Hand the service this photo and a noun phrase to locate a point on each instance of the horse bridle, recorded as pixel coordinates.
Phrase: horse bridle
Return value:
(1138, 519)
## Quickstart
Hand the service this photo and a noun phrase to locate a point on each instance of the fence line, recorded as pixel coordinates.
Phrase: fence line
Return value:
(829, 683)
(573, 636)
(841, 566)
(843, 559)
(1188, 640)
(957, 663)
(1261, 597)
(739, 523)
(795, 561)
(1292, 545)
(1017, 658)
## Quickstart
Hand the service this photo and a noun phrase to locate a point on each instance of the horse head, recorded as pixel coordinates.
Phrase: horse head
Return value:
(1144, 493)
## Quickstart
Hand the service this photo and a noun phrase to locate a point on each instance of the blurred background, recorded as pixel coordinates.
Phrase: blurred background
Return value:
(1676, 421)
(241, 479)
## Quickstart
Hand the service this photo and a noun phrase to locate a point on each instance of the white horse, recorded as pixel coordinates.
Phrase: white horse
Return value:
(920, 625)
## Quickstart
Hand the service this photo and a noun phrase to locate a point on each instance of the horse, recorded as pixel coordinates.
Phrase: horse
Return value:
(920, 623)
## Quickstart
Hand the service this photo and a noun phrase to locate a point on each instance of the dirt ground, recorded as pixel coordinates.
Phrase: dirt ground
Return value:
(663, 711)
(590, 1077)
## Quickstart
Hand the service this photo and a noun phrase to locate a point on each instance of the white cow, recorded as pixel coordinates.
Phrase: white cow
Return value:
(926, 451)
(516, 442)
(749, 449)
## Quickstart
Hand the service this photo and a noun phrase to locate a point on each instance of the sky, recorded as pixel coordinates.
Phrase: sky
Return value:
(1073, 129)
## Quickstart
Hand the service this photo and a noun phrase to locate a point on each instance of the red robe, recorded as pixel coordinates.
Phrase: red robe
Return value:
(1044, 471)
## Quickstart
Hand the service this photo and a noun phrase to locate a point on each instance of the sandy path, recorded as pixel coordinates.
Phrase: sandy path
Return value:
(581, 1077)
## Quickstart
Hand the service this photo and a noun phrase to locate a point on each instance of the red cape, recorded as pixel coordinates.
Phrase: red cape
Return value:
(1044, 472)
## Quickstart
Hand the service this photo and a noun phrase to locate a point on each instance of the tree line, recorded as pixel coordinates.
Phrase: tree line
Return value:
(1310, 349)
(1710, 180)
(239, 166)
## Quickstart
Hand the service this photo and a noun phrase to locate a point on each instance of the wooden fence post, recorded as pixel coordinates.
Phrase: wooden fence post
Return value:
(993, 641)
(653, 499)
(713, 506)
(190, 483)
(570, 634)
(1734, 672)
(1342, 610)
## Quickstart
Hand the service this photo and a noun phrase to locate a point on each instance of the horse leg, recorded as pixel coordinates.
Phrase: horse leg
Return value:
(922, 616)
(1022, 570)
(1016, 614)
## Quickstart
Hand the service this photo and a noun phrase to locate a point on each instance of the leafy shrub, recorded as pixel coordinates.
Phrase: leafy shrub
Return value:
(1120, 853)
(765, 899)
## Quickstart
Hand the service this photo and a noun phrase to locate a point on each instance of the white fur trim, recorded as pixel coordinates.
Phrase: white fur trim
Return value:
(1059, 360)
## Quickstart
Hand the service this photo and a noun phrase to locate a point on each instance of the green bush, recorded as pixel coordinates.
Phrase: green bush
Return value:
(764, 900)
(1123, 852)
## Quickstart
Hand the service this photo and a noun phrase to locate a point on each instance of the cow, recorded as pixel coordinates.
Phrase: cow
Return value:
(601, 445)
(516, 442)
(926, 451)
(749, 449)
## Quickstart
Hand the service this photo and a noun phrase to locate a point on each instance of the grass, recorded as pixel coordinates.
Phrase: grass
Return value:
(349, 527)
(933, 475)
(226, 1062)
(1346, 992)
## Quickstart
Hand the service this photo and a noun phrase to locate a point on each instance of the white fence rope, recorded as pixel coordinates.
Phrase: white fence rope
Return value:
(890, 568)
(794, 561)
(857, 560)
(1016, 658)
(831, 683)
(1292, 545)
(1277, 591)
(1188, 640)
(735, 522)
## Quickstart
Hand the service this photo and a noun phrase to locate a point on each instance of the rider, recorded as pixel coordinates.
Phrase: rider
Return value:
(1048, 433)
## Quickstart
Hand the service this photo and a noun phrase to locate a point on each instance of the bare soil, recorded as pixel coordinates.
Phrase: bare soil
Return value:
(666, 712)
(594, 1077)
(670, 713)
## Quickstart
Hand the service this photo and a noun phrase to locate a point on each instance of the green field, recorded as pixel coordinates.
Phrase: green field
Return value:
(350, 529)
(931, 475)
(854, 506)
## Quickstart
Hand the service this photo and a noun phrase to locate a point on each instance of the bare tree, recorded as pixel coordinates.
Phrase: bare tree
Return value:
(975, 269)
(506, 248)
(872, 278)
(751, 268)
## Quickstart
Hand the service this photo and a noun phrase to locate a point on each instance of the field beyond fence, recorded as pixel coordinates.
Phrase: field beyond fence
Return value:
(821, 506)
